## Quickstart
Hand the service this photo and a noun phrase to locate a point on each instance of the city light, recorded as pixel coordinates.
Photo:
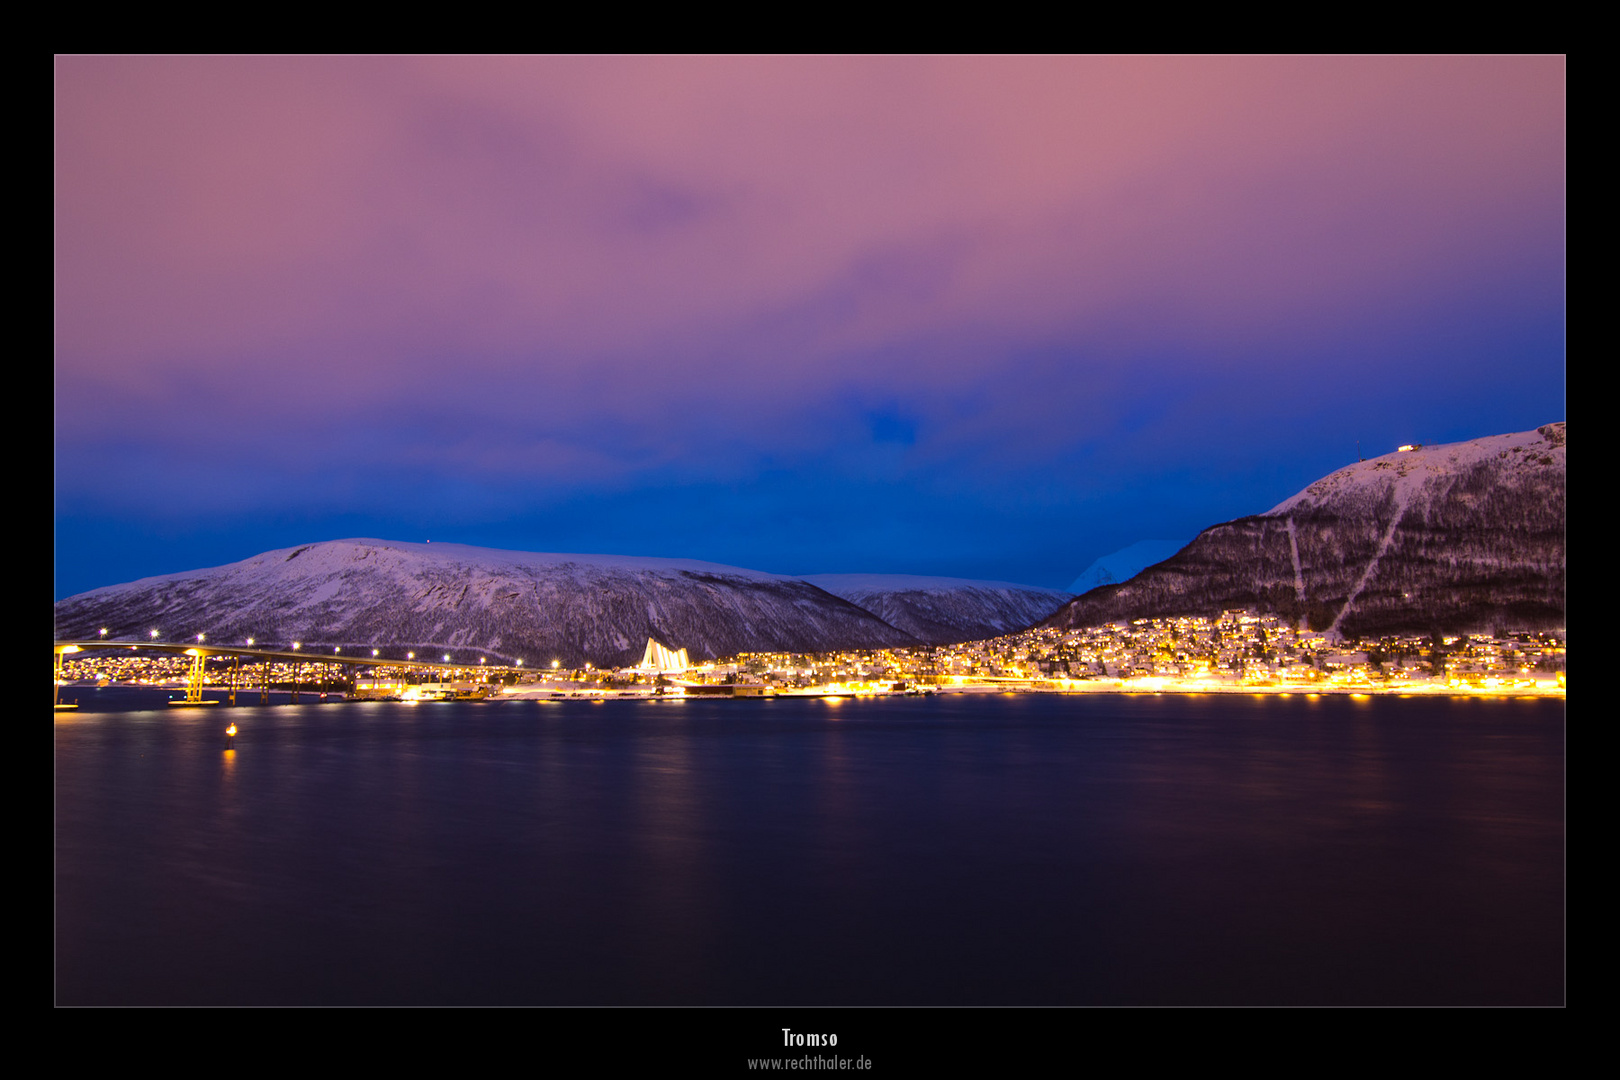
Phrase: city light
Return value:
(1237, 652)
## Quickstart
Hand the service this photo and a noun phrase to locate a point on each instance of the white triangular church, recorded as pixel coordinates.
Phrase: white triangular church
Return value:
(658, 658)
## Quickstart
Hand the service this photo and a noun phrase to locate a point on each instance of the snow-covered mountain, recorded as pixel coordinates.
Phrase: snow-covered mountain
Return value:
(940, 610)
(1124, 564)
(439, 598)
(1461, 537)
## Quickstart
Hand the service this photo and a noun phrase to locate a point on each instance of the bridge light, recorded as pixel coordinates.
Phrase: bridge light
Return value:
(410, 656)
(335, 648)
(296, 644)
(373, 652)
(250, 641)
(447, 658)
(103, 631)
(154, 634)
(199, 639)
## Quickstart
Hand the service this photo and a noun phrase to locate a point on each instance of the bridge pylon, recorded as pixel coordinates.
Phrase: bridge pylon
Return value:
(196, 679)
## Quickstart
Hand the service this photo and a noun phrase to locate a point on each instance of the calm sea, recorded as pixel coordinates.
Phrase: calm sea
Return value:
(1008, 850)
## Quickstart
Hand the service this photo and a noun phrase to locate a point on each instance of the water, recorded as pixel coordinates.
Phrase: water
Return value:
(1015, 850)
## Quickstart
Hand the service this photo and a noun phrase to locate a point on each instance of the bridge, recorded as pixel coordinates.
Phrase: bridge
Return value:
(297, 656)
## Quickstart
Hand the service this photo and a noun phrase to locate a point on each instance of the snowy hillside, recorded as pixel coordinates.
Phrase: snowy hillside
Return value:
(1124, 564)
(940, 610)
(511, 605)
(1417, 474)
(1449, 538)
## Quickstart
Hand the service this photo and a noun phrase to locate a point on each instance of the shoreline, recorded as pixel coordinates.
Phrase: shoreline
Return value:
(1126, 687)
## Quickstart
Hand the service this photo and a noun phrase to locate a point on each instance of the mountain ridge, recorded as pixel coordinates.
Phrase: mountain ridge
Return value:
(540, 606)
(1442, 539)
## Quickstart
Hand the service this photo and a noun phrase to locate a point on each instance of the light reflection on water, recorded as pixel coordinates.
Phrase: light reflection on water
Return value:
(998, 850)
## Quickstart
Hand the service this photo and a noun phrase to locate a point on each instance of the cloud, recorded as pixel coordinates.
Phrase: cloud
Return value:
(533, 274)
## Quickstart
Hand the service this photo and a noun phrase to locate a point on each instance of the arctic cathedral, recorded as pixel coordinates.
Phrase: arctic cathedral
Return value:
(659, 659)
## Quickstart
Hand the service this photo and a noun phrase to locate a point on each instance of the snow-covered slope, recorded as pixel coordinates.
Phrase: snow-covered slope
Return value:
(508, 604)
(1452, 538)
(944, 610)
(1124, 564)
(1419, 474)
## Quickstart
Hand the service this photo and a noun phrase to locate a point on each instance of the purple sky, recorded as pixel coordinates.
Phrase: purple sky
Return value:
(976, 317)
